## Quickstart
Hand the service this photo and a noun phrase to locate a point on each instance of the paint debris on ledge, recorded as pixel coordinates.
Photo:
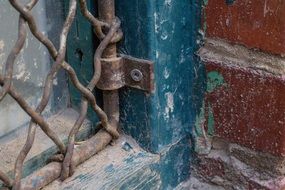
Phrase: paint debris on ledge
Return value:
(121, 165)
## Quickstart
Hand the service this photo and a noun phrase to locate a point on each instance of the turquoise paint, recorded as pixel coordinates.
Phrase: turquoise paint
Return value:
(214, 80)
(175, 163)
(206, 2)
(145, 25)
(167, 33)
(203, 133)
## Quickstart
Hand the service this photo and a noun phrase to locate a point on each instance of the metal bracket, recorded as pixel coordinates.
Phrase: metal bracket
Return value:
(126, 71)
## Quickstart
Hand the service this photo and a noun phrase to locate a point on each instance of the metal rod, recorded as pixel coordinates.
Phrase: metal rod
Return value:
(110, 98)
(68, 167)
(111, 106)
(52, 171)
(106, 10)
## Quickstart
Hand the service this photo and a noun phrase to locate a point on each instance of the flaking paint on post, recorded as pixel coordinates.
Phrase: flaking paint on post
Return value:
(205, 122)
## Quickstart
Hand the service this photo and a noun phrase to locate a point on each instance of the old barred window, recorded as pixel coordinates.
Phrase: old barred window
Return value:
(36, 78)
(32, 64)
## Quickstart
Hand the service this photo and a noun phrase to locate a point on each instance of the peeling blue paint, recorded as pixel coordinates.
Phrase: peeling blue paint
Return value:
(127, 147)
(166, 32)
(110, 168)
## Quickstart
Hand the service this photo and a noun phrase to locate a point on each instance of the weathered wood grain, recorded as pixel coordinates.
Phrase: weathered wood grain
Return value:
(121, 166)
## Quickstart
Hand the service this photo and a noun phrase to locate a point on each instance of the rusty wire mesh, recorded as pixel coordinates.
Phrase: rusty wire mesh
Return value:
(112, 35)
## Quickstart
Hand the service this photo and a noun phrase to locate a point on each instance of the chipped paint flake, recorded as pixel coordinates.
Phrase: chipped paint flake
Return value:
(168, 2)
(169, 104)
(156, 25)
(166, 73)
(214, 80)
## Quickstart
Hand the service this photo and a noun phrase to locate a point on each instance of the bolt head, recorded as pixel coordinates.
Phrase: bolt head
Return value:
(136, 75)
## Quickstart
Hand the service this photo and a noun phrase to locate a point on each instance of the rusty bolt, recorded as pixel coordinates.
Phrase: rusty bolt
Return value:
(136, 75)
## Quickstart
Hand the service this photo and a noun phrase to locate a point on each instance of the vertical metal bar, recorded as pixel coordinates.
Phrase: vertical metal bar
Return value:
(106, 9)
(111, 106)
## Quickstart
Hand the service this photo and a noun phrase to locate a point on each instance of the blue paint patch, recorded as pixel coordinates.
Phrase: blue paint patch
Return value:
(127, 147)
(129, 160)
(141, 155)
(81, 177)
(134, 158)
(110, 168)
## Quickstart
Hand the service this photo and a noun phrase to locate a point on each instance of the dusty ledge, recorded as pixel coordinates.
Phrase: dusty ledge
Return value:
(122, 165)
(43, 147)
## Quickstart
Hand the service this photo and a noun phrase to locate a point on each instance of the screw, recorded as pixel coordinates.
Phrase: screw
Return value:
(136, 75)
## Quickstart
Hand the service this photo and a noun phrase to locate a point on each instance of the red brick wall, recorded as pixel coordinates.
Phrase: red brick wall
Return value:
(250, 108)
(245, 106)
(254, 23)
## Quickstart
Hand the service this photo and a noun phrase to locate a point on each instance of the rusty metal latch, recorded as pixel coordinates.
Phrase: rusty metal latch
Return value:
(126, 71)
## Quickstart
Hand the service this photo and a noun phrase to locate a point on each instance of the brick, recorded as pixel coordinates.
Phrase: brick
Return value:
(249, 108)
(255, 23)
(222, 168)
(255, 186)
(209, 168)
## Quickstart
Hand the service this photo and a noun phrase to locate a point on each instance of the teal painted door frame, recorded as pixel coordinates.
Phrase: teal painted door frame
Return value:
(166, 32)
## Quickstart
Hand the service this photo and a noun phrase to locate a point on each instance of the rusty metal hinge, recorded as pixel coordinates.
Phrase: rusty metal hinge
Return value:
(126, 71)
